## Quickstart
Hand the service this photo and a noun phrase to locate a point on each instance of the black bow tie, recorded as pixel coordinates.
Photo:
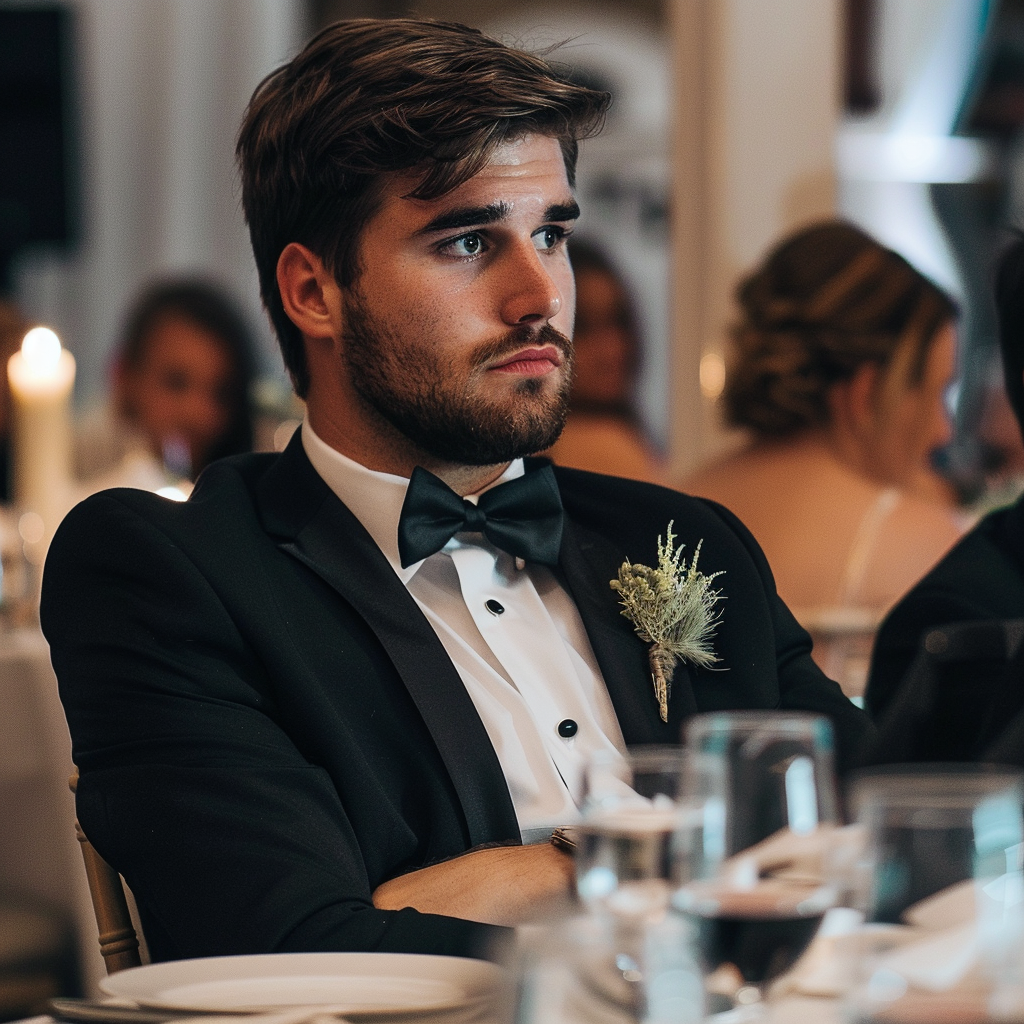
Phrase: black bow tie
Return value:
(522, 517)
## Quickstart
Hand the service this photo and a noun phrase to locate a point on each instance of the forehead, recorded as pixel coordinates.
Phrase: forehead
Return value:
(528, 174)
(172, 332)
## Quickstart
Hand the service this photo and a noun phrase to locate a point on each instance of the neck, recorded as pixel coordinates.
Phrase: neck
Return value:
(386, 450)
(835, 445)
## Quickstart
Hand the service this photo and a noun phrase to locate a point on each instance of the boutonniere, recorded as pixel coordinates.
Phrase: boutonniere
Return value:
(672, 608)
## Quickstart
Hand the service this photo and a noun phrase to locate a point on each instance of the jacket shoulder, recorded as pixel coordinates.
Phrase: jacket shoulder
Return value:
(222, 498)
(594, 494)
(623, 508)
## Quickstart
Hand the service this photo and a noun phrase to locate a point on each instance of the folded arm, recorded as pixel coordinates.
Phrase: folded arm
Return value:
(505, 885)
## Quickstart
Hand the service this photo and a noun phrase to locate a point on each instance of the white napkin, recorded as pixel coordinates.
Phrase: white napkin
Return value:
(938, 950)
(940, 961)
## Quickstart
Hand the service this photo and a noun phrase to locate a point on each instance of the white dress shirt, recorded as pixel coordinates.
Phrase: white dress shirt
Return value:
(514, 636)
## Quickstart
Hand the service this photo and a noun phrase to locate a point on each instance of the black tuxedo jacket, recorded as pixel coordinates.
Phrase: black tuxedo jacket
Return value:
(267, 727)
(981, 578)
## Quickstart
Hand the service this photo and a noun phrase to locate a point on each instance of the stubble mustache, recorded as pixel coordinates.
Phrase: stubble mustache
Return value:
(519, 338)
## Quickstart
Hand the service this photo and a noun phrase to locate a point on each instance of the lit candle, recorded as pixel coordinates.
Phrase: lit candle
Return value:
(41, 376)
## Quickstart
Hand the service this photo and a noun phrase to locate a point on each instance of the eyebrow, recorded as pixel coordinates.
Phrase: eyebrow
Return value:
(479, 216)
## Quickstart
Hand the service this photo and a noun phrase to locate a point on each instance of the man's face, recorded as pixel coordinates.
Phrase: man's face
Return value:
(457, 332)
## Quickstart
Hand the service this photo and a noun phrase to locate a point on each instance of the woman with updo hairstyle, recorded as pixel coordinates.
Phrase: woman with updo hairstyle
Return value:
(842, 356)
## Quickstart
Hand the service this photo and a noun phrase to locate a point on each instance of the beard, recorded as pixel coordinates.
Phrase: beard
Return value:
(437, 404)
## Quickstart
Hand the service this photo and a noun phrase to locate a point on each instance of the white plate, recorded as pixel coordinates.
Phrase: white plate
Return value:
(355, 983)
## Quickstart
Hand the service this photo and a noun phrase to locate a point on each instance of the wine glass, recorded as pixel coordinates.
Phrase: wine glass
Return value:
(940, 885)
(755, 882)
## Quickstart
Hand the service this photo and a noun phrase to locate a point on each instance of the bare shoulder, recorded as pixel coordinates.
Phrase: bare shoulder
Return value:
(730, 478)
(913, 537)
(918, 520)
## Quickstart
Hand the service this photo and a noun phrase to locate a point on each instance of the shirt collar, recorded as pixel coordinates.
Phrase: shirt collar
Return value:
(375, 498)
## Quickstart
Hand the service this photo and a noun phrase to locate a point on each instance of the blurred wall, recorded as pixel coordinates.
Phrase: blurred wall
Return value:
(162, 86)
(757, 99)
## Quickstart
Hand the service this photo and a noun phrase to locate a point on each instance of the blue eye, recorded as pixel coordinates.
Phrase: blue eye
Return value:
(467, 245)
(548, 237)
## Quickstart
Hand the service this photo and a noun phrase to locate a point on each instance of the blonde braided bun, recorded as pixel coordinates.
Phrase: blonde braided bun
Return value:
(825, 301)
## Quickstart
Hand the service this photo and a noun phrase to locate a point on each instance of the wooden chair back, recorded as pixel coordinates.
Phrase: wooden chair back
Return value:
(119, 943)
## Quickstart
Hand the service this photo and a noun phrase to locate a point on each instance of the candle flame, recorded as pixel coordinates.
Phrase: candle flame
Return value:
(40, 349)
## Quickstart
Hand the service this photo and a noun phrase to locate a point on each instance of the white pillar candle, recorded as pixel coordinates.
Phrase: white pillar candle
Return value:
(41, 376)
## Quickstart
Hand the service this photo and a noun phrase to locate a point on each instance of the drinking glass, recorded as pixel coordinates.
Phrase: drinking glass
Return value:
(754, 878)
(630, 813)
(939, 883)
(571, 972)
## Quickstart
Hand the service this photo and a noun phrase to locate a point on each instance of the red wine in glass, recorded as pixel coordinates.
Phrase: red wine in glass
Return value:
(762, 931)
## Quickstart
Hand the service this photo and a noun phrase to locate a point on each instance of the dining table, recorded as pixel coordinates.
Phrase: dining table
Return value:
(40, 859)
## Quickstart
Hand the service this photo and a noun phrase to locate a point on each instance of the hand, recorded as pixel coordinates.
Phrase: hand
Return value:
(504, 885)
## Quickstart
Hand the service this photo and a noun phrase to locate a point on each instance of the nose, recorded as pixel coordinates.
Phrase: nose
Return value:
(532, 295)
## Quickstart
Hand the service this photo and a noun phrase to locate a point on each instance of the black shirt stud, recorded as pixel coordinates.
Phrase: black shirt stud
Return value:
(567, 728)
(494, 607)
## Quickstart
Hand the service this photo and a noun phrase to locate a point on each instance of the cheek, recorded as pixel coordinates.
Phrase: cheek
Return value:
(566, 316)
(154, 403)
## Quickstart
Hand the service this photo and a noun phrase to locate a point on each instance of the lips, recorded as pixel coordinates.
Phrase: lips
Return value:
(531, 362)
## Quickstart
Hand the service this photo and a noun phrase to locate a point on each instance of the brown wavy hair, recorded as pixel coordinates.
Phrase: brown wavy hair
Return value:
(367, 98)
(824, 302)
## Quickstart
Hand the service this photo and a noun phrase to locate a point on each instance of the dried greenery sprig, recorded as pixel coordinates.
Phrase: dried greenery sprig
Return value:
(672, 608)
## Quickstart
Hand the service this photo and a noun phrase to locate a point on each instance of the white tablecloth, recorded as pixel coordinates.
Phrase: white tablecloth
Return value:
(39, 855)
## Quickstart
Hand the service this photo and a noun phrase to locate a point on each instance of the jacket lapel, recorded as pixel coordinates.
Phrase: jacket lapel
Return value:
(314, 526)
(589, 562)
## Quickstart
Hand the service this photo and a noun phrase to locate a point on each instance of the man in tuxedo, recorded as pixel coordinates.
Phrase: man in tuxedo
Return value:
(982, 577)
(333, 700)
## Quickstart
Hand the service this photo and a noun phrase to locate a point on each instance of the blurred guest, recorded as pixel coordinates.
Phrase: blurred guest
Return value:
(982, 578)
(182, 379)
(843, 352)
(603, 432)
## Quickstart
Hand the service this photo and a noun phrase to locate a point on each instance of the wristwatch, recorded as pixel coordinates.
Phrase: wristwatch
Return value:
(564, 839)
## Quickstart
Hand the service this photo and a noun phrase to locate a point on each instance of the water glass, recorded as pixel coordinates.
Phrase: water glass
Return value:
(631, 811)
(574, 972)
(939, 882)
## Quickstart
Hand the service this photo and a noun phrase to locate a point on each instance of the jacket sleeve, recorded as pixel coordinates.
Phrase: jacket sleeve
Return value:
(899, 637)
(230, 839)
(802, 685)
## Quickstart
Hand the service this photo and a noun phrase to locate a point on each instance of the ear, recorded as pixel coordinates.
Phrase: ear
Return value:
(310, 295)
